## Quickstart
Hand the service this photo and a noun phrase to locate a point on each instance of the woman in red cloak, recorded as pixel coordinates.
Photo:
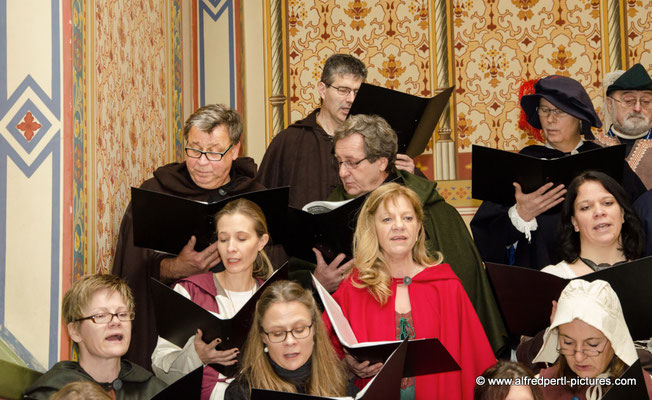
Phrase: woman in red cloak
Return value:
(397, 290)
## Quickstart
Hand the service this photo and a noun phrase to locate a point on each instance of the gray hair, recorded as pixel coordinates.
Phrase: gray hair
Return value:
(608, 80)
(342, 64)
(379, 138)
(209, 117)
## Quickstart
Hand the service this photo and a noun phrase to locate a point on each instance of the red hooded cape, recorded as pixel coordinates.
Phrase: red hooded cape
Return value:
(440, 309)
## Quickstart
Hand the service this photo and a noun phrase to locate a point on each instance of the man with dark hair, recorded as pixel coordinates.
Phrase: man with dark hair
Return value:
(365, 150)
(211, 172)
(301, 156)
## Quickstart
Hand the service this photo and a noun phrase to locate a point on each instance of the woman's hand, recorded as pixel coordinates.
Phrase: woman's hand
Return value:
(362, 370)
(209, 355)
(531, 205)
(331, 275)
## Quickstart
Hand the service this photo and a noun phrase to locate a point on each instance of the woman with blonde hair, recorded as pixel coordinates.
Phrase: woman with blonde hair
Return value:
(398, 291)
(287, 348)
(241, 236)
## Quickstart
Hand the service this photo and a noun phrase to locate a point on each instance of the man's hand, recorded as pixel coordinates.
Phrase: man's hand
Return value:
(362, 370)
(209, 355)
(404, 162)
(530, 206)
(329, 275)
(189, 262)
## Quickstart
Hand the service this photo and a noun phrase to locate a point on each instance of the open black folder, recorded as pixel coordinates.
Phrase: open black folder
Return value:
(525, 295)
(187, 387)
(424, 356)
(178, 318)
(165, 223)
(385, 385)
(630, 390)
(413, 118)
(330, 232)
(495, 170)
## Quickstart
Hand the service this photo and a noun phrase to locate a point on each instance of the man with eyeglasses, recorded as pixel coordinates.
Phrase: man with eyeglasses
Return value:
(628, 104)
(365, 150)
(211, 172)
(301, 155)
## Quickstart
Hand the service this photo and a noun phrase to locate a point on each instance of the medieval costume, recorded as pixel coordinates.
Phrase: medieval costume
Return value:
(136, 265)
(133, 382)
(439, 309)
(447, 233)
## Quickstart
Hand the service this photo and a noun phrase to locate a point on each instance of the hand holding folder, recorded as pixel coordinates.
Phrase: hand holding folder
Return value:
(385, 385)
(178, 318)
(525, 295)
(424, 356)
(494, 171)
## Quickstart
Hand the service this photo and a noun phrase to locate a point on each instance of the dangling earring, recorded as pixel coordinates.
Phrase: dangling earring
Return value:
(266, 350)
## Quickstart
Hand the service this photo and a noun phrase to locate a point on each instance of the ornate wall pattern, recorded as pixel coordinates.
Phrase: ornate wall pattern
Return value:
(495, 44)
(638, 18)
(177, 78)
(391, 37)
(131, 138)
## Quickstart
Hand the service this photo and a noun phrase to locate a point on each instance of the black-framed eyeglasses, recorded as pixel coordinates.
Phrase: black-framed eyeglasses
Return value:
(586, 352)
(348, 164)
(105, 318)
(631, 101)
(343, 90)
(210, 155)
(300, 332)
(545, 111)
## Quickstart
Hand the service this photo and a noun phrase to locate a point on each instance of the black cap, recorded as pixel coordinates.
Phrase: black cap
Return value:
(635, 78)
(566, 94)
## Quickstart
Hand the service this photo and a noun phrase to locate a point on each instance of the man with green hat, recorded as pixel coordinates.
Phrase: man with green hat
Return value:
(628, 104)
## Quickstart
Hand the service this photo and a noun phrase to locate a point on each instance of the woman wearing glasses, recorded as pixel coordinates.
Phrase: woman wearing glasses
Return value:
(287, 348)
(525, 233)
(241, 237)
(587, 338)
(97, 311)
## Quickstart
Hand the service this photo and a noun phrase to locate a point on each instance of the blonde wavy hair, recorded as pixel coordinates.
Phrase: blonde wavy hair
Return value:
(369, 258)
(327, 377)
(262, 265)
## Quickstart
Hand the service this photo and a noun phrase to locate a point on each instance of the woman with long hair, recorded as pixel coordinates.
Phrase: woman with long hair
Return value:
(241, 235)
(287, 348)
(398, 291)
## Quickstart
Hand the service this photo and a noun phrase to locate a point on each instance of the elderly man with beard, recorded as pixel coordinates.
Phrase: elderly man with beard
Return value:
(629, 106)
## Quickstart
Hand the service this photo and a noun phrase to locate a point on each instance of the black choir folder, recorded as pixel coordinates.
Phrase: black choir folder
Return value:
(327, 226)
(495, 170)
(424, 356)
(630, 391)
(385, 385)
(187, 387)
(525, 295)
(178, 318)
(413, 118)
(165, 222)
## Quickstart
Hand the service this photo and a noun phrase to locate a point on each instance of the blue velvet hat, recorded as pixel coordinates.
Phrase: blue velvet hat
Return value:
(566, 94)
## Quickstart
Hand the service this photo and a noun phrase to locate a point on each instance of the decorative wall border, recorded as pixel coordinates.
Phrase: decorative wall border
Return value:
(177, 79)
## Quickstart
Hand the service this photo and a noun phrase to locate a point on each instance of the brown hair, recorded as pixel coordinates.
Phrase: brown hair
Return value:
(342, 64)
(372, 266)
(262, 265)
(82, 290)
(506, 370)
(327, 377)
(209, 117)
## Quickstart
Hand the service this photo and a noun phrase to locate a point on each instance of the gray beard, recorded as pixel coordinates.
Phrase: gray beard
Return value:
(630, 129)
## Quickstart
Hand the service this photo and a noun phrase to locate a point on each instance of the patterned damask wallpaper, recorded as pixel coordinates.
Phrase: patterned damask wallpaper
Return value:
(131, 110)
(495, 45)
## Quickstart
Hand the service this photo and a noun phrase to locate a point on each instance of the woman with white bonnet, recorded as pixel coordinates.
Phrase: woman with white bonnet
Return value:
(587, 338)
